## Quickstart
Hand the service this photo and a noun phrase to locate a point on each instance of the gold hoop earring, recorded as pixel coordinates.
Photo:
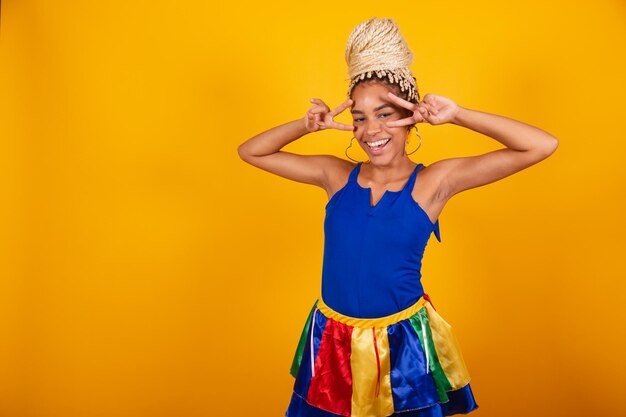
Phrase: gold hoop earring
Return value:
(349, 146)
(419, 146)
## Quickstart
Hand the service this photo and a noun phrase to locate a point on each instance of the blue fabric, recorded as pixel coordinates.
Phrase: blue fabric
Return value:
(411, 386)
(372, 264)
(303, 380)
(373, 255)
(413, 390)
(298, 407)
(460, 401)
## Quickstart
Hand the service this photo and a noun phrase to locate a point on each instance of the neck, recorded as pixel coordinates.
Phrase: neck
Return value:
(397, 168)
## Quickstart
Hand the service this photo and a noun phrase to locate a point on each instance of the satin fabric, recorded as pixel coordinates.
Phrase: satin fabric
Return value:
(361, 371)
(304, 370)
(370, 398)
(370, 322)
(421, 324)
(413, 387)
(461, 401)
(448, 349)
(331, 383)
(300, 350)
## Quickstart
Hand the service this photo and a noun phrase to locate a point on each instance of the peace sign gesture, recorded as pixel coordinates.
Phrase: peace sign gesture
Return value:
(320, 117)
(432, 109)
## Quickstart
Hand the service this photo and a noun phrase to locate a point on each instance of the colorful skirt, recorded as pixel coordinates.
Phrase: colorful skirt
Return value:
(407, 363)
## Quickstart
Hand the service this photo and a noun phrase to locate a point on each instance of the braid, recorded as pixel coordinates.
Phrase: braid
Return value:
(376, 49)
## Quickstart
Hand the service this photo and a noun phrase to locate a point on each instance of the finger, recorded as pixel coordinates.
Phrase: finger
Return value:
(405, 122)
(341, 107)
(318, 102)
(423, 110)
(430, 108)
(428, 117)
(401, 102)
(341, 126)
(431, 101)
(434, 120)
(316, 110)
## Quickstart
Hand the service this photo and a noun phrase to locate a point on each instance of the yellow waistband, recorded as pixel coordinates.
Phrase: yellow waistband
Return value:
(373, 322)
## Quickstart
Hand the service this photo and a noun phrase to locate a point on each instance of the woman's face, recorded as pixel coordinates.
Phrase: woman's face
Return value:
(371, 109)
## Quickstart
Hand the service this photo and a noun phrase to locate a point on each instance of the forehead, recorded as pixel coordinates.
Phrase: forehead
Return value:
(370, 96)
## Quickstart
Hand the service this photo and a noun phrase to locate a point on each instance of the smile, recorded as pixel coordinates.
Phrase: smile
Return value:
(378, 143)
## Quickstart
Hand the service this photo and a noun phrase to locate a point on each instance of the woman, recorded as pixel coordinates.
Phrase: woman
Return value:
(373, 344)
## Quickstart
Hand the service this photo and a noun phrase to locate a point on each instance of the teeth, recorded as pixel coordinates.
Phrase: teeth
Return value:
(377, 143)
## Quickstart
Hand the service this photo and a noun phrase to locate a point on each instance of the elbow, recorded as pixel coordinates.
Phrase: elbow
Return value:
(544, 150)
(243, 154)
(553, 144)
(549, 147)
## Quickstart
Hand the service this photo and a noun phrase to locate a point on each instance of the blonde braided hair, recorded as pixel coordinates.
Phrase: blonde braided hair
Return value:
(376, 47)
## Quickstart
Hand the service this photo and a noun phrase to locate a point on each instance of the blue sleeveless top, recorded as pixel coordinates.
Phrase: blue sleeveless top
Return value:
(373, 255)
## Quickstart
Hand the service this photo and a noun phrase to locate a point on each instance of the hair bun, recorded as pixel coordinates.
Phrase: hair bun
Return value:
(376, 46)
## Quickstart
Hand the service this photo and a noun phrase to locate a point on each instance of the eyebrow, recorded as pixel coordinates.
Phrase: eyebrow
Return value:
(382, 106)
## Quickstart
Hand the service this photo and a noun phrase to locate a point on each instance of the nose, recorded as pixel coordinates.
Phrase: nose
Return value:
(373, 128)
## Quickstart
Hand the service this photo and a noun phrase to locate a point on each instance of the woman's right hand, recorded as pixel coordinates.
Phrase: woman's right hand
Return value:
(320, 117)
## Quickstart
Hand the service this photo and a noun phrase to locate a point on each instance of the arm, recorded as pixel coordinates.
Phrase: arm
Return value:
(526, 145)
(264, 149)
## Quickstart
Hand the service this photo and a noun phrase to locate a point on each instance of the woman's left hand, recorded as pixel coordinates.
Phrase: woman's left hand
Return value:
(433, 109)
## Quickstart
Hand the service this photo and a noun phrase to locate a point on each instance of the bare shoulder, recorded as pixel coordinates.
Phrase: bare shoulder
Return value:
(429, 190)
(430, 181)
(337, 174)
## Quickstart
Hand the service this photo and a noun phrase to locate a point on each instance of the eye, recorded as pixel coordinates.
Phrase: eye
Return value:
(360, 119)
(385, 114)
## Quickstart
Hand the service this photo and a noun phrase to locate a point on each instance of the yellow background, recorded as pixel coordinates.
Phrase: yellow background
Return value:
(147, 271)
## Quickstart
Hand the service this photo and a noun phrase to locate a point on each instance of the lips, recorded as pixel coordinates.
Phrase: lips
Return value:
(378, 144)
(380, 147)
